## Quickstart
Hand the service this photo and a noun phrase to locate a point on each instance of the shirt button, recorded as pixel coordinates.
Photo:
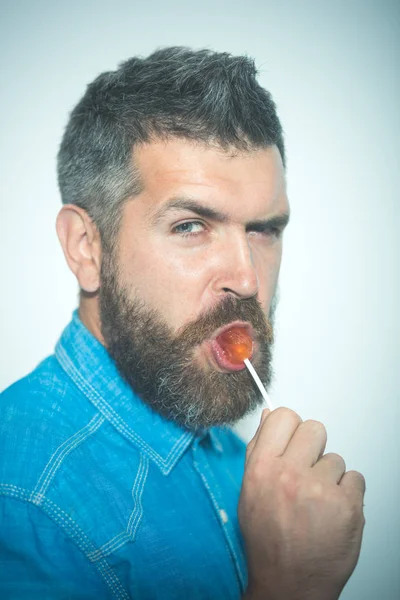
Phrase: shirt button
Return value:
(223, 516)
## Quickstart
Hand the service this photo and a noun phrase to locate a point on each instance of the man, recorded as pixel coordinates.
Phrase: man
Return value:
(119, 475)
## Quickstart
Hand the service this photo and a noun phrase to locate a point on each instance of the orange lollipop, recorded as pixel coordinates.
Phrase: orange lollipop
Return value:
(236, 344)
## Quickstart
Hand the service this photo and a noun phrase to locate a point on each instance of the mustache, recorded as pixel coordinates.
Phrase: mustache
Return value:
(248, 310)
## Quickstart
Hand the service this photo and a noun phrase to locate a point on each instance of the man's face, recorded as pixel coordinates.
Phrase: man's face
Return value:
(199, 249)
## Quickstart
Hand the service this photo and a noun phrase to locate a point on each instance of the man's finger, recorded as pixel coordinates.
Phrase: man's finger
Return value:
(276, 431)
(330, 467)
(307, 444)
(353, 481)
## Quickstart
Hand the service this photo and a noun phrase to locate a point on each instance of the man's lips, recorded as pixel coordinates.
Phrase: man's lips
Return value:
(219, 355)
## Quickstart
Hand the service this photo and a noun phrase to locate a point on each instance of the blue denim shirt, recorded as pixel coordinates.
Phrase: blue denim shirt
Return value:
(102, 498)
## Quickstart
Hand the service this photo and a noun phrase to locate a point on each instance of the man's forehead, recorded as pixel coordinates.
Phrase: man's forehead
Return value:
(180, 154)
(181, 168)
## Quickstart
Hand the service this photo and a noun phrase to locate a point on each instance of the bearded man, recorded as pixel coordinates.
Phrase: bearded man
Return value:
(120, 476)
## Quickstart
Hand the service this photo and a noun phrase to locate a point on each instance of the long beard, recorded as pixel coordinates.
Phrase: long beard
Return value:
(160, 366)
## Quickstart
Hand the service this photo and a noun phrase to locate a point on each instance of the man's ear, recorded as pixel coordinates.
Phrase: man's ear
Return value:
(80, 241)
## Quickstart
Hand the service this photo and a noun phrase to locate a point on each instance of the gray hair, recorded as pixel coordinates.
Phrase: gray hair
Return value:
(175, 92)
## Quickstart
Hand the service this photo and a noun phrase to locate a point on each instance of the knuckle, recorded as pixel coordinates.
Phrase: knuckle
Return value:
(317, 429)
(354, 508)
(316, 426)
(359, 479)
(317, 489)
(289, 483)
(256, 471)
(339, 460)
(288, 414)
(362, 482)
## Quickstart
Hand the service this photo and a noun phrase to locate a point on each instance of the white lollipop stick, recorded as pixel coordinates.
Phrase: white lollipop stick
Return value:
(258, 383)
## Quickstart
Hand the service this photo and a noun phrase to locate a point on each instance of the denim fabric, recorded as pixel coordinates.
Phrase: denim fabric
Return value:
(102, 498)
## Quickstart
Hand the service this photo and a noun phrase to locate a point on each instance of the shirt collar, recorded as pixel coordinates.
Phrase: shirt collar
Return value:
(87, 362)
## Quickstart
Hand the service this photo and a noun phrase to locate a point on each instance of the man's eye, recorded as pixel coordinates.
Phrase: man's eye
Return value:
(271, 232)
(189, 228)
(275, 232)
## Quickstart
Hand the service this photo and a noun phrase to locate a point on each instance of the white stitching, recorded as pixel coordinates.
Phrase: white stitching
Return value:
(111, 415)
(134, 519)
(74, 531)
(137, 512)
(115, 418)
(58, 456)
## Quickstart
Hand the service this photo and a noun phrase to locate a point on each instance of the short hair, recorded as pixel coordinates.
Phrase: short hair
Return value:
(175, 92)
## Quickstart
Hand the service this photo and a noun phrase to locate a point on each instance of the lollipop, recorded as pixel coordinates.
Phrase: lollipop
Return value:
(237, 345)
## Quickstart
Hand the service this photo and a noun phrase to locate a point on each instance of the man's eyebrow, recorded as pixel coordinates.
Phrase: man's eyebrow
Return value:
(278, 221)
(193, 205)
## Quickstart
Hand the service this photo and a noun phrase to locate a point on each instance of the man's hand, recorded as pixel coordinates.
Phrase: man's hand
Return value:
(300, 513)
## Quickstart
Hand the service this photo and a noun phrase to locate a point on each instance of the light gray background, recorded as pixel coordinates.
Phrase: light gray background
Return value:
(333, 68)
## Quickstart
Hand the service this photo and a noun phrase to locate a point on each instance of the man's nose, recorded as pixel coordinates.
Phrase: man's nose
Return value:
(236, 273)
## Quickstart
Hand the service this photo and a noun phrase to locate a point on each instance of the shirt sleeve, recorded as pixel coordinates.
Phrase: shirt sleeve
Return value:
(39, 562)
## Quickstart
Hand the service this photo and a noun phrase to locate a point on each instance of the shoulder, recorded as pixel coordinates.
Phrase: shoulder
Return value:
(47, 377)
(35, 418)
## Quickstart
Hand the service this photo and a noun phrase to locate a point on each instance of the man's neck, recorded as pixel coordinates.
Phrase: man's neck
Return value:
(89, 314)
